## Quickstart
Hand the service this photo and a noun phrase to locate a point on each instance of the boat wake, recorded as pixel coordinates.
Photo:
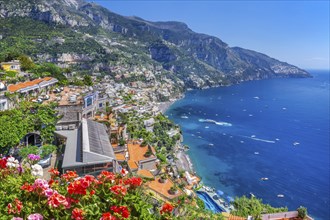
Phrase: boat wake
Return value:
(253, 137)
(221, 123)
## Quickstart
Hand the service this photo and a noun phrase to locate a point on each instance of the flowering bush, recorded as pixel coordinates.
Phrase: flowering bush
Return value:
(25, 195)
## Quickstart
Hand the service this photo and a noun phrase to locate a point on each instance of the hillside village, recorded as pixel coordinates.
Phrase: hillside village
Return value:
(113, 125)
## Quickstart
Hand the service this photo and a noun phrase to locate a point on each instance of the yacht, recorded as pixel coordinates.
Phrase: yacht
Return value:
(264, 178)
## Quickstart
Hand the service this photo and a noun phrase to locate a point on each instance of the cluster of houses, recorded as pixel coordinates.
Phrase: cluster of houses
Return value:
(89, 132)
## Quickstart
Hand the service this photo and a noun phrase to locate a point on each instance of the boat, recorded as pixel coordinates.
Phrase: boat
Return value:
(211, 144)
(256, 153)
(264, 178)
(295, 143)
(252, 195)
(280, 195)
(184, 116)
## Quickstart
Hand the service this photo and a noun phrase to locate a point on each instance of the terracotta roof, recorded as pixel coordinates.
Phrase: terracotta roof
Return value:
(132, 165)
(163, 188)
(228, 216)
(120, 156)
(18, 86)
(145, 173)
(136, 152)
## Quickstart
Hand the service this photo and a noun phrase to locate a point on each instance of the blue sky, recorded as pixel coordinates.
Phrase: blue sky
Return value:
(294, 31)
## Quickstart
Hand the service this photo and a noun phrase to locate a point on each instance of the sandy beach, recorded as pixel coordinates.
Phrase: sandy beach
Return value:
(163, 106)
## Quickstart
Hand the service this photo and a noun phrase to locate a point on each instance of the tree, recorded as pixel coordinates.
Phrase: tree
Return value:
(26, 62)
(88, 80)
(302, 212)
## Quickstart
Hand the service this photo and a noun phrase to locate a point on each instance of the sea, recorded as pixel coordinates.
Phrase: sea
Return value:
(267, 137)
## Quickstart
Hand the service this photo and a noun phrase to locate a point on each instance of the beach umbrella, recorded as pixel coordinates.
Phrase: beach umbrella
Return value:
(219, 192)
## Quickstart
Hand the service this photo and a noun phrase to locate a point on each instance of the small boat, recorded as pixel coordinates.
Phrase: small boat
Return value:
(264, 178)
(296, 143)
(280, 196)
(184, 116)
(252, 195)
(211, 144)
(256, 153)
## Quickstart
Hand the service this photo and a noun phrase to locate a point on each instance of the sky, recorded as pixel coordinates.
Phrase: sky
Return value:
(295, 31)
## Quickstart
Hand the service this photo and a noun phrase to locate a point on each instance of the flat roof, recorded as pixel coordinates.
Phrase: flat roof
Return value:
(88, 144)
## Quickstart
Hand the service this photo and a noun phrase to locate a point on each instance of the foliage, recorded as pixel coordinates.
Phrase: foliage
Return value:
(26, 62)
(88, 80)
(29, 117)
(68, 197)
(47, 149)
(25, 151)
(11, 73)
(253, 206)
(302, 212)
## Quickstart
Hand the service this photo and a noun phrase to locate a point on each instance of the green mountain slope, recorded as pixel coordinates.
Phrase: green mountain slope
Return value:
(89, 37)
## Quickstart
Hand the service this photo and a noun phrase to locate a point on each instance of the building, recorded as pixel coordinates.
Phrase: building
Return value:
(87, 148)
(33, 87)
(138, 158)
(13, 65)
(3, 98)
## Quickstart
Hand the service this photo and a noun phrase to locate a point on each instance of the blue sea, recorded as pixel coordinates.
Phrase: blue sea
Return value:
(274, 129)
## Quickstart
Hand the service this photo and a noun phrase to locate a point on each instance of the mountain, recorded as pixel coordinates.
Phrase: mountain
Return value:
(88, 37)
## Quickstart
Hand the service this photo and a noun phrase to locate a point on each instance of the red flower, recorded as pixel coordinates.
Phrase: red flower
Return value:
(123, 172)
(120, 210)
(27, 187)
(118, 190)
(3, 163)
(108, 216)
(54, 172)
(80, 186)
(77, 214)
(70, 175)
(133, 182)
(106, 176)
(92, 192)
(57, 200)
(167, 208)
(16, 208)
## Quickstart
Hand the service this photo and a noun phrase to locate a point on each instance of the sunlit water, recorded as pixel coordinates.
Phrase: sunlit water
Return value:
(272, 129)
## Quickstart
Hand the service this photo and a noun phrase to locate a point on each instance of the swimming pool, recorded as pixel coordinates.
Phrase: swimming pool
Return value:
(209, 203)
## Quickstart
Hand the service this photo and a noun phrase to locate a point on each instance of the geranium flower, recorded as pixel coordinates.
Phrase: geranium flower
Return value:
(49, 192)
(40, 185)
(53, 172)
(167, 208)
(3, 163)
(27, 187)
(133, 182)
(108, 216)
(77, 214)
(56, 200)
(37, 170)
(15, 208)
(16, 218)
(12, 162)
(120, 210)
(118, 190)
(107, 176)
(35, 216)
(123, 172)
(70, 175)
(33, 157)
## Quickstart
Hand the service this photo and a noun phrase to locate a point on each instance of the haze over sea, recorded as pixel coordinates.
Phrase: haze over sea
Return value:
(276, 128)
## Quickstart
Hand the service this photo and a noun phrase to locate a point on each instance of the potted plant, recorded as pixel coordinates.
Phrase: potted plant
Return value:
(163, 178)
(173, 190)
